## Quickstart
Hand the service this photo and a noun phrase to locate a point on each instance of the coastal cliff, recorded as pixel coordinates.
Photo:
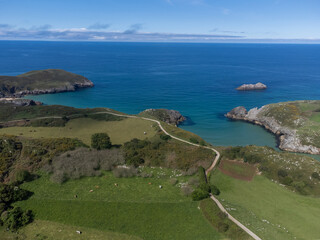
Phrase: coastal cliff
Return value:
(42, 82)
(296, 129)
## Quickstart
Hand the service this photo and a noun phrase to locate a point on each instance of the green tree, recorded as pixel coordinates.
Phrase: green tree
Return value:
(100, 141)
(16, 218)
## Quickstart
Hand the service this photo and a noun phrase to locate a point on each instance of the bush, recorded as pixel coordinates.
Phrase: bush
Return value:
(165, 137)
(223, 227)
(315, 175)
(198, 195)
(282, 173)
(215, 190)
(124, 172)
(23, 176)
(16, 218)
(194, 140)
(100, 141)
(286, 180)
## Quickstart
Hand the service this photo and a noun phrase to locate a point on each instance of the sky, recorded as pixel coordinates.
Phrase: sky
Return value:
(161, 20)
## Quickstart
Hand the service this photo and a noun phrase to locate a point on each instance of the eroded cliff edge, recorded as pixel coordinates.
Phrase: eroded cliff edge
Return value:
(295, 124)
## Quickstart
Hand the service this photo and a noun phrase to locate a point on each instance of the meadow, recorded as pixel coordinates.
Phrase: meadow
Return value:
(136, 206)
(82, 129)
(269, 209)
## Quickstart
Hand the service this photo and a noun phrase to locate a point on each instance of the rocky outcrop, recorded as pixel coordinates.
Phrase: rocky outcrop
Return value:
(19, 101)
(169, 116)
(288, 138)
(250, 87)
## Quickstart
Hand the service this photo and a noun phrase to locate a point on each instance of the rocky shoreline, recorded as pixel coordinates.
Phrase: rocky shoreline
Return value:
(288, 139)
(42, 82)
(169, 116)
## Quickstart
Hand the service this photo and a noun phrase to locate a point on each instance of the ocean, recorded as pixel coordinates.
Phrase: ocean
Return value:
(197, 79)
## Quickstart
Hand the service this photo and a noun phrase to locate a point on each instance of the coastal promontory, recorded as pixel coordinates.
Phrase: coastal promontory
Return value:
(296, 124)
(250, 87)
(41, 82)
(169, 116)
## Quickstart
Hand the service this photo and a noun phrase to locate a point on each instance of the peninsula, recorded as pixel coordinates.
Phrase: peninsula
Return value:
(296, 124)
(41, 82)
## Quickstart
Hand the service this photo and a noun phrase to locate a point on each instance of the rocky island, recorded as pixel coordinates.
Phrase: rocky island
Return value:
(41, 82)
(169, 116)
(296, 124)
(250, 87)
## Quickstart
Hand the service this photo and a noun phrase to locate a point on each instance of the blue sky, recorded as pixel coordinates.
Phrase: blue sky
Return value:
(161, 20)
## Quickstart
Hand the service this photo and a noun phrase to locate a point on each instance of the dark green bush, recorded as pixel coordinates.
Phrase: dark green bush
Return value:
(16, 218)
(282, 173)
(315, 175)
(165, 137)
(215, 190)
(194, 140)
(23, 176)
(223, 227)
(100, 141)
(199, 194)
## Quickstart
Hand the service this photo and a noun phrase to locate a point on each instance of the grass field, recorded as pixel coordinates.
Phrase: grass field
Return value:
(82, 128)
(134, 207)
(47, 230)
(268, 209)
(238, 170)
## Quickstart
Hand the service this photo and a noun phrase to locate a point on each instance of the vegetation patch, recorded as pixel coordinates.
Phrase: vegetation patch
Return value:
(294, 171)
(237, 169)
(269, 210)
(48, 230)
(220, 221)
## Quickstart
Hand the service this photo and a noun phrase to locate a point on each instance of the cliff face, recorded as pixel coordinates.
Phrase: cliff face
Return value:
(169, 116)
(42, 82)
(289, 139)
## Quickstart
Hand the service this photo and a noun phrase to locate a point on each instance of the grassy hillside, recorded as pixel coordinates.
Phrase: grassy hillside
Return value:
(304, 116)
(40, 230)
(136, 206)
(268, 209)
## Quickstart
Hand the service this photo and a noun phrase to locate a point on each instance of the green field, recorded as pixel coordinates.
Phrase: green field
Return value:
(47, 230)
(82, 128)
(268, 209)
(134, 207)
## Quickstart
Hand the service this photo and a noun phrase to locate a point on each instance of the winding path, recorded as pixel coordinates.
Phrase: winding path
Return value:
(213, 165)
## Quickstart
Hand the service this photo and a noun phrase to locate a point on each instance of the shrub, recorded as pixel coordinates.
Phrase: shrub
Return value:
(215, 190)
(165, 137)
(100, 141)
(16, 218)
(194, 140)
(23, 176)
(223, 227)
(315, 175)
(83, 162)
(282, 173)
(286, 180)
(198, 195)
(124, 172)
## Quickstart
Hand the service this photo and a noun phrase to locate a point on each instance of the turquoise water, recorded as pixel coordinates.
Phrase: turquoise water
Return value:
(199, 80)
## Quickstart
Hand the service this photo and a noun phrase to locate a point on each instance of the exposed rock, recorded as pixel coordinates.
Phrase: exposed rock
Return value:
(169, 116)
(287, 137)
(19, 101)
(250, 87)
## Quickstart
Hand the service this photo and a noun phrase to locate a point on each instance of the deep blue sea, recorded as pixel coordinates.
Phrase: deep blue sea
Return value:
(197, 79)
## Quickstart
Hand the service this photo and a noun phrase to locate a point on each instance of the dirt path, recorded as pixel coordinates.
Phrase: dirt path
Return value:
(213, 165)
